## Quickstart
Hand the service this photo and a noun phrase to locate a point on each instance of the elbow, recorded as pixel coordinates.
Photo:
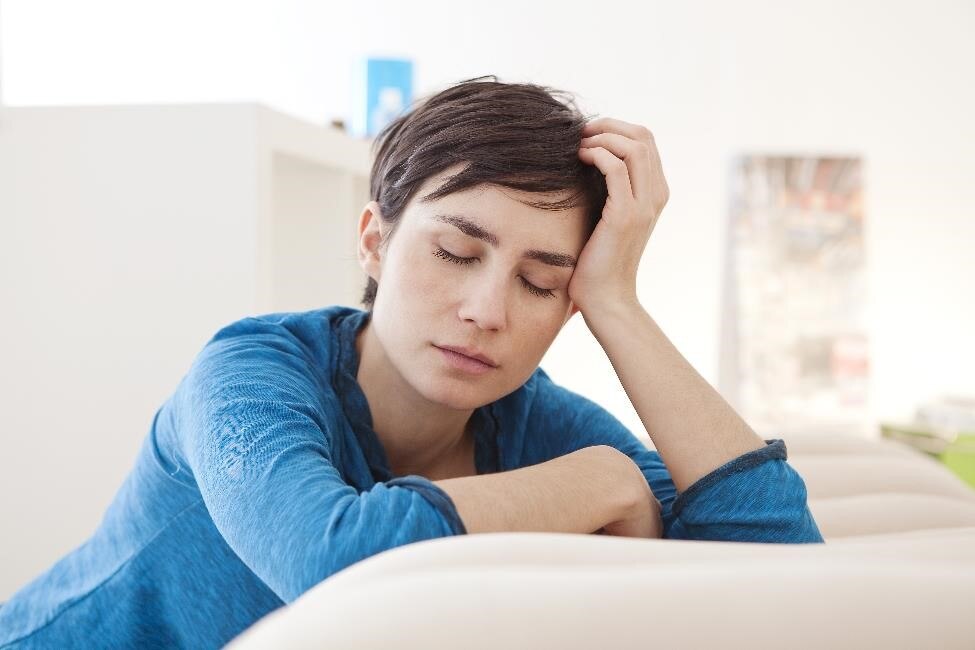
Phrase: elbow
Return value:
(360, 526)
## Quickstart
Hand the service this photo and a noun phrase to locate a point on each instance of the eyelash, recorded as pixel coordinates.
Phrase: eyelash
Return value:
(542, 293)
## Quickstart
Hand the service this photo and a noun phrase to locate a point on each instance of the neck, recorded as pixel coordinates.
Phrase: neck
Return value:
(419, 436)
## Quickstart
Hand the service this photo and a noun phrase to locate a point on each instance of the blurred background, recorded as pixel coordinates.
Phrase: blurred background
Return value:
(168, 168)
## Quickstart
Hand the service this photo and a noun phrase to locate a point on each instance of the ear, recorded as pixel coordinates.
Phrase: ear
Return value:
(370, 238)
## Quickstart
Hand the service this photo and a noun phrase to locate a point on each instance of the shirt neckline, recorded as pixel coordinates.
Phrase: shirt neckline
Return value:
(484, 421)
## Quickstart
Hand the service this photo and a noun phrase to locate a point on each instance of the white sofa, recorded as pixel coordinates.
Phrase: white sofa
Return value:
(897, 571)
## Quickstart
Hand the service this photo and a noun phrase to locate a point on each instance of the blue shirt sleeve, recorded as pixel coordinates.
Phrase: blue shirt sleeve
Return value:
(756, 497)
(256, 436)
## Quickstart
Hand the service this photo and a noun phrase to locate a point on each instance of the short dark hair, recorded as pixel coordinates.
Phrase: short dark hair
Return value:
(518, 135)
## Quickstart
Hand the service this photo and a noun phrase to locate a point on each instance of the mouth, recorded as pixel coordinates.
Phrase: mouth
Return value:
(470, 354)
(466, 360)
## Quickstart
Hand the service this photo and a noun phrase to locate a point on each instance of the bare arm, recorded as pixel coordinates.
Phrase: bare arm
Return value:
(581, 492)
(695, 430)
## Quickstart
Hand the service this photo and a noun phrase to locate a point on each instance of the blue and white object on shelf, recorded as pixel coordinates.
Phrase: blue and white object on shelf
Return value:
(384, 90)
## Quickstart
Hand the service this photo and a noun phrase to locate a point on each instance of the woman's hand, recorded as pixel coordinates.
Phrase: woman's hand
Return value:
(627, 156)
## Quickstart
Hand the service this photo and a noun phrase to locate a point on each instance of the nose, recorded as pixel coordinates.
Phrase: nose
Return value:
(485, 302)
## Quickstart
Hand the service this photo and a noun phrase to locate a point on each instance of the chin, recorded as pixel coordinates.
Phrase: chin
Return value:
(457, 396)
(454, 393)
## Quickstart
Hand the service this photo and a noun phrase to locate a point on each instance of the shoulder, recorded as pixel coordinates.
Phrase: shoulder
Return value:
(281, 349)
(309, 335)
(259, 380)
(298, 325)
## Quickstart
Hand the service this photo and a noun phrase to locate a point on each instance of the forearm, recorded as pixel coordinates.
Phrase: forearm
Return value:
(693, 428)
(577, 493)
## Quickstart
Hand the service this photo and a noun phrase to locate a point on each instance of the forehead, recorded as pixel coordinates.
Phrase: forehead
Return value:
(499, 208)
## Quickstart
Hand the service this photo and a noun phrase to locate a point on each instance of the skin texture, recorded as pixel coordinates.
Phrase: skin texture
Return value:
(420, 405)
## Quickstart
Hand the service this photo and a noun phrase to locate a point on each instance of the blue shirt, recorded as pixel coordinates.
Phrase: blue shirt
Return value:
(261, 476)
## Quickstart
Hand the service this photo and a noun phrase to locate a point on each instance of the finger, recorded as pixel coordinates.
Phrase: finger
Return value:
(634, 153)
(612, 125)
(637, 132)
(614, 169)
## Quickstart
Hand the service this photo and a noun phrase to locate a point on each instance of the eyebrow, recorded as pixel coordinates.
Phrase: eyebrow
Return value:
(471, 229)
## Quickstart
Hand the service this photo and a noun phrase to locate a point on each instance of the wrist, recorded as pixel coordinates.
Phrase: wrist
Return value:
(605, 313)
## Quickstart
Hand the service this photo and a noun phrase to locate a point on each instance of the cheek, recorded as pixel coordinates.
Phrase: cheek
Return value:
(537, 328)
(411, 283)
(433, 277)
(547, 331)
(423, 276)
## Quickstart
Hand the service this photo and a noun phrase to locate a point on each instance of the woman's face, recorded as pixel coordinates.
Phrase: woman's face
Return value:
(476, 269)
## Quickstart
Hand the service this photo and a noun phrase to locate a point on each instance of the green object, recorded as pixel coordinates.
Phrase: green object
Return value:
(956, 450)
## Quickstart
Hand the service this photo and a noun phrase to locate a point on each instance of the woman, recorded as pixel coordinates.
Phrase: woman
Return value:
(300, 443)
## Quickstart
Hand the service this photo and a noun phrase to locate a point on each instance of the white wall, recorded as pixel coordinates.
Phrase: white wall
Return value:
(109, 281)
(131, 234)
(889, 81)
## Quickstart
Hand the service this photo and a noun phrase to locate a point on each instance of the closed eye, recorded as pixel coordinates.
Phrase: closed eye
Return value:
(450, 257)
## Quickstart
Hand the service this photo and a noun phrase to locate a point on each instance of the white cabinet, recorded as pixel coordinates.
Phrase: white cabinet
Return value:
(128, 236)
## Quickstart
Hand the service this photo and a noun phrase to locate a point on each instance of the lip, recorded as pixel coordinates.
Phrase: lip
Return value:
(472, 354)
(464, 363)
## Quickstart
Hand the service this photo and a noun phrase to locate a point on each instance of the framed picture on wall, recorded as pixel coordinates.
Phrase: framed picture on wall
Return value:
(795, 349)
(383, 90)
